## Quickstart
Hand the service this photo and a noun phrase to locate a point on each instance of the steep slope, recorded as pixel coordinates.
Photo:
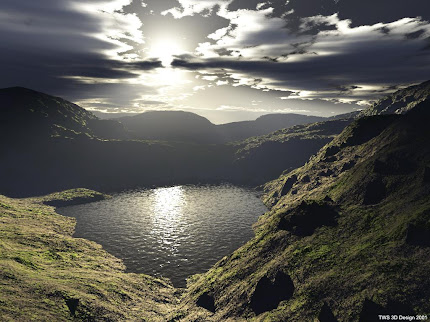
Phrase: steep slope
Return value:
(260, 159)
(346, 239)
(401, 101)
(46, 275)
(27, 114)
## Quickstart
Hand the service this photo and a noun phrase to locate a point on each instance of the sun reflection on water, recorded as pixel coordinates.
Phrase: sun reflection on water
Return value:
(168, 209)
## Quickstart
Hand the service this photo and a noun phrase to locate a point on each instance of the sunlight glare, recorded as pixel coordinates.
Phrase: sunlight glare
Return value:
(165, 49)
(169, 204)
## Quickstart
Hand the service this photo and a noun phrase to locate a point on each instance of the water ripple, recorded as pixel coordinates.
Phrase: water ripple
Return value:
(173, 232)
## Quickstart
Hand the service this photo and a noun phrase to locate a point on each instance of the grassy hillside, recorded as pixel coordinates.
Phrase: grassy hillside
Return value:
(347, 236)
(46, 275)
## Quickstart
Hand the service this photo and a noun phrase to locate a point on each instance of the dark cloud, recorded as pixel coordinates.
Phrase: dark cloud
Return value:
(364, 12)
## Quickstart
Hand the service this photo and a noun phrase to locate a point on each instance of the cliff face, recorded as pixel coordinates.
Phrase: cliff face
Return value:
(347, 236)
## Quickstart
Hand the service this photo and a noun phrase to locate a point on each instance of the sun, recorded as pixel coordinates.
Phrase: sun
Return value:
(165, 49)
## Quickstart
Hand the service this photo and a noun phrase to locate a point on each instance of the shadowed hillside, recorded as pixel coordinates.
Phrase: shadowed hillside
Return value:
(29, 115)
(264, 158)
(171, 126)
(346, 239)
(263, 125)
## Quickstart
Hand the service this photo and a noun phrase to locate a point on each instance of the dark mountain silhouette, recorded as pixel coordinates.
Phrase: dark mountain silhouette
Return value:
(171, 126)
(190, 127)
(26, 114)
(265, 124)
(263, 158)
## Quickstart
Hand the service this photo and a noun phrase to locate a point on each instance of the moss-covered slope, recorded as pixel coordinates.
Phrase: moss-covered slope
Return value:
(46, 275)
(347, 236)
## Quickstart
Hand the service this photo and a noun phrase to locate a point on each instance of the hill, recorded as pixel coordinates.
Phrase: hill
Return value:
(263, 158)
(180, 126)
(174, 126)
(401, 101)
(47, 275)
(265, 124)
(27, 115)
(346, 237)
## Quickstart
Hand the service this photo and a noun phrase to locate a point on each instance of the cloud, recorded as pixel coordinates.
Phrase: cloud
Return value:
(192, 7)
(345, 64)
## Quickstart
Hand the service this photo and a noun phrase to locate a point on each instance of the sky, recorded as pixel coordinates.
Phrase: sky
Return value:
(227, 60)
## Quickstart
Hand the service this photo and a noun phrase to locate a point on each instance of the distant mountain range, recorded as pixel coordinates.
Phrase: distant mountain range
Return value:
(24, 110)
(190, 127)
(51, 144)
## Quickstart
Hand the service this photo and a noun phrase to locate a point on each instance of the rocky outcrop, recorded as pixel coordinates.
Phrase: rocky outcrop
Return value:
(207, 302)
(268, 294)
(326, 315)
(308, 216)
(375, 191)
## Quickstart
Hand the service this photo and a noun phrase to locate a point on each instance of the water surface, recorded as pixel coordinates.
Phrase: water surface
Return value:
(173, 232)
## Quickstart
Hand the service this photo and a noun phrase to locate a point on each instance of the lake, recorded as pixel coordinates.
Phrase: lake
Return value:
(172, 232)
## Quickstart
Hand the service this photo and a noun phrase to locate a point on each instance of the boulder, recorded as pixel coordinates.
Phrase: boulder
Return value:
(394, 165)
(418, 235)
(370, 310)
(308, 216)
(268, 294)
(375, 191)
(72, 304)
(207, 302)
(288, 184)
(326, 315)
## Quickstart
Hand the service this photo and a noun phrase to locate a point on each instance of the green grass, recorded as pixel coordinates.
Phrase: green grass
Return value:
(42, 266)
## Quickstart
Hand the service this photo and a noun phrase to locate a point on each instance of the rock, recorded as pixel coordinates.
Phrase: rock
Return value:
(288, 184)
(326, 173)
(394, 165)
(375, 192)
(306, 179)
(207, 302)
(370, 311)
(308, 216)
(332, 150)
(72, 304)
(348, 165)
(268, 294)
(426, 176)
(330, 159)
(326, 315)
(418, 235)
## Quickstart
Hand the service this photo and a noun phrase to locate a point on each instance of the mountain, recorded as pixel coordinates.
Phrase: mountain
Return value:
(346, 238)
(171, 126)
(182, 126)
(263, 158)
(263, 125)
(401, 101)
(26, 114)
